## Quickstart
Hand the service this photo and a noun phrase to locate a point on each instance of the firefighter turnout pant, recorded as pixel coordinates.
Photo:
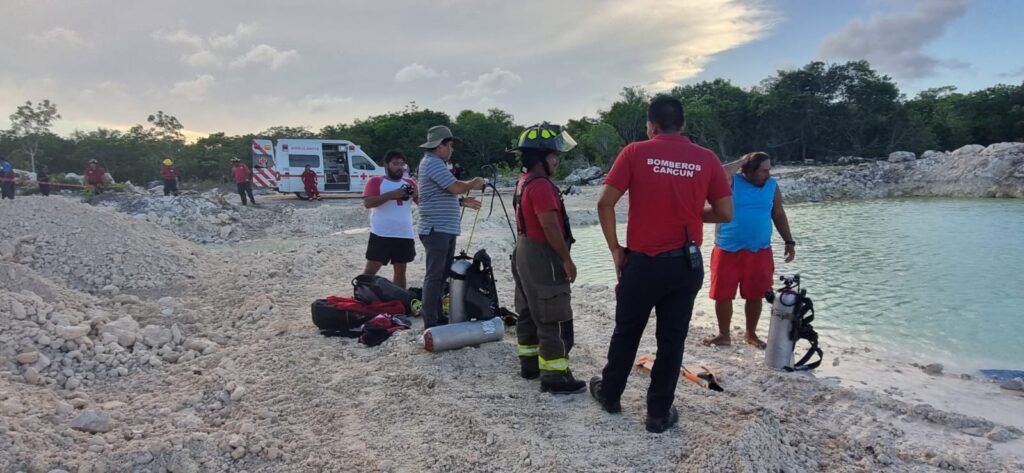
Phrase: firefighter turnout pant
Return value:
(544, 329)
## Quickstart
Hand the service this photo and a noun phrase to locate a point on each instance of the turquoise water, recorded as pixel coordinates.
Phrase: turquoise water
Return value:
(936, 279)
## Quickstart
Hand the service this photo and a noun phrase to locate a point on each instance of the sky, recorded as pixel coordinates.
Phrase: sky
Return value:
(243, 66)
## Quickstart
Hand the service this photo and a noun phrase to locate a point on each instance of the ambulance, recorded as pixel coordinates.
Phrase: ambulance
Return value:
(340, 165)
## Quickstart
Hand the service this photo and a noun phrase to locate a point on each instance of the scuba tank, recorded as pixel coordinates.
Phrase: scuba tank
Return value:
(458, 335)
(458, 288)
(792, 314)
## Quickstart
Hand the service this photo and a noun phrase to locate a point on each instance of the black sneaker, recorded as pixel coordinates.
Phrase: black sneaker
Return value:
(611, 407)
(562, 384)
(658, 425)
(529, 367)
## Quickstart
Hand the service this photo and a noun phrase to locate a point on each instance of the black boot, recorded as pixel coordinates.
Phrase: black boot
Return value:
(529, 367)
(658, 425)
(561, 383)
(608, 405)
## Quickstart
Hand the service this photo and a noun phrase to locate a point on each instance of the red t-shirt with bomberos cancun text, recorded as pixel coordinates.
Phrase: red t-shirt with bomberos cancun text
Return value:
(538, 197)
(669, 180)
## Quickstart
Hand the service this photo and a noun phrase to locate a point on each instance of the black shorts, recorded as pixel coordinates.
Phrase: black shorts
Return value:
(390, 250)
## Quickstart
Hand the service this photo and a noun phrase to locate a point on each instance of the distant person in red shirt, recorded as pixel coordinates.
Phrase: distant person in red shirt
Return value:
(669, 180)
(94, 176)
(170, 177)
(243, 178)
(309, 180)
(542, 266)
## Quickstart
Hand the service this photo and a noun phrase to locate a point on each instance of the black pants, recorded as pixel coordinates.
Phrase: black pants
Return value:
(245, 188)
(668, 286)
(44, 188)
(7, 190)
(170, 187)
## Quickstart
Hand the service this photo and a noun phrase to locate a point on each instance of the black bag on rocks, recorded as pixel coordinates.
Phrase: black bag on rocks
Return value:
(371, 288)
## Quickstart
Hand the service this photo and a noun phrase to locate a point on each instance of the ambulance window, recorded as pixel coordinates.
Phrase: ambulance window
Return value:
(360, 162)
(301, 160)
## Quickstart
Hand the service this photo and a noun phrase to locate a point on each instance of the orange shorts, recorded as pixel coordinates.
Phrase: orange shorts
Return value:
(752, 271)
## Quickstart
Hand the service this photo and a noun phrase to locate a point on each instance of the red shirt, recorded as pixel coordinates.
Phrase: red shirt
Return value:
(94, 175)
(241, 173)
(309, 178)
(669, 179)
(538, 197)
(168, 173)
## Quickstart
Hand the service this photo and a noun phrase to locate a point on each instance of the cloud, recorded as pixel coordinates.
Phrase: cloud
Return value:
(324, 103)
(107, 91)
(231, 40)
(63, 36)
(489, 84)
(414, 72)
(180, 36)
(1014, 73)
(215, 41)
(895, 43)
(265, 55)
(202, 59)
(569, 60)
(194, 90)
(204, 54)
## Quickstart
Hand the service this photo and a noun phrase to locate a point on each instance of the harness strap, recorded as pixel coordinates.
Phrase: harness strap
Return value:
(804, 330)
(521, 218)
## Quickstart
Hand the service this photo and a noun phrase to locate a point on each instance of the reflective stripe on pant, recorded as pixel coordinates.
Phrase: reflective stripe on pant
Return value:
(542, 302)
(669, 287)
(528, 350)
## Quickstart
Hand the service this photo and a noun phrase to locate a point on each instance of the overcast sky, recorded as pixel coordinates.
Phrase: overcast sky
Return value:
(243, 66)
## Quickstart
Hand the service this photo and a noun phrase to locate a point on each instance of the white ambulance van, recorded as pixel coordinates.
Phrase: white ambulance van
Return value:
(341, 166)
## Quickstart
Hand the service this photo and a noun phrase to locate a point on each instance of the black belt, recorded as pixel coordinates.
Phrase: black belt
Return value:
(676, 253)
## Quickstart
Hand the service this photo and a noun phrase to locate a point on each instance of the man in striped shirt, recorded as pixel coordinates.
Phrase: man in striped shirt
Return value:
(439, 216)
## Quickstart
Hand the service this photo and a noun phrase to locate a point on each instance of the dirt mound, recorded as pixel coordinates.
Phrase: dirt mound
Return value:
(91, 248)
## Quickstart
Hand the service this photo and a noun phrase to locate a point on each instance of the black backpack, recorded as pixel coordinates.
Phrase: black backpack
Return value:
(370, 288)
(481, 290)
(334, 321)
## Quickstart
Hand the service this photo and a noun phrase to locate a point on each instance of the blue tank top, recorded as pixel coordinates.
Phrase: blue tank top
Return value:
(751, 225)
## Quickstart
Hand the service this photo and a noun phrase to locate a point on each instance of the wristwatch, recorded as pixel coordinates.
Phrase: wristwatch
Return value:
(790, 243)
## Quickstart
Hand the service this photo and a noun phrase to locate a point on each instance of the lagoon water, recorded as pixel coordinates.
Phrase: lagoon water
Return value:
(933, 279)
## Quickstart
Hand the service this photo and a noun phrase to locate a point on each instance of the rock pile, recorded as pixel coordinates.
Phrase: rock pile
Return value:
(92, 249)
(68, 339)
(971, 171)
(584, 175)
(206, 218)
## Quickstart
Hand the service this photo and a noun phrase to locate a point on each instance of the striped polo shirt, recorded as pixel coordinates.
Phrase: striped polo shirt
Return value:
(439, 209)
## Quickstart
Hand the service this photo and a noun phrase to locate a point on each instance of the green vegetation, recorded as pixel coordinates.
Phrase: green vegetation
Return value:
(820, 112)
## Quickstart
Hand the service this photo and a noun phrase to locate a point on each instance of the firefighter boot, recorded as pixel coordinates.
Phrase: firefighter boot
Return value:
(529, 367)
(561, 382)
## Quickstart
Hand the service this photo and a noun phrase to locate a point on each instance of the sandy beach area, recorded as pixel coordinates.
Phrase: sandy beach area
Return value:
(225, 371)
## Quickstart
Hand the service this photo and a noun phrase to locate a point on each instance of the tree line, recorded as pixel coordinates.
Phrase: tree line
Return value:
(818, 112)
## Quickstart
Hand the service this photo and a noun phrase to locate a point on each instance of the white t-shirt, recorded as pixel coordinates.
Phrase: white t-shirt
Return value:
(392, 219)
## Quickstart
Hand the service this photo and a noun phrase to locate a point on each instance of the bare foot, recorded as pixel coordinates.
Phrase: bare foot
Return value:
(721, 340)
(754, 341)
